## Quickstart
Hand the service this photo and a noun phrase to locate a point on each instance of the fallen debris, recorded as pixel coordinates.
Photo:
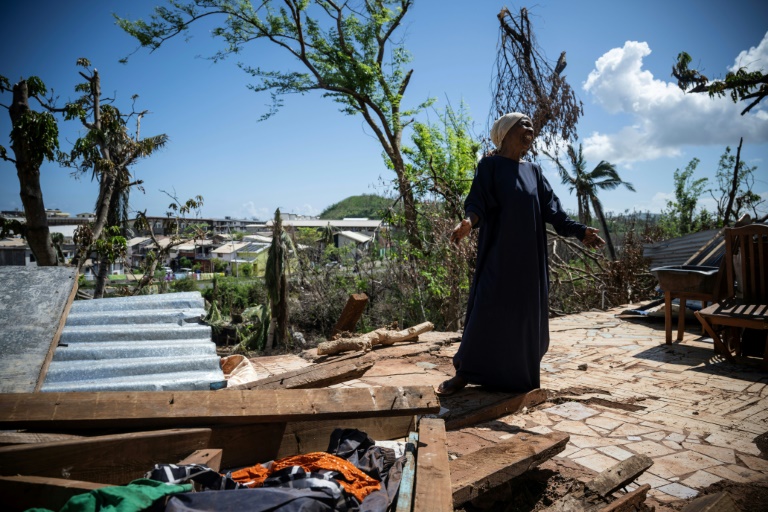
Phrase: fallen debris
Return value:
(719, 502)
(351, 314)
(475, 405)
(489, 468)
(592, 495)
(366, 341)
(318, 375)
(620, 475)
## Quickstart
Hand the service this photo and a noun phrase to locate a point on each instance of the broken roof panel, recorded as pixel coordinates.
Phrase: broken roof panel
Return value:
(32, 303)
(141, 343)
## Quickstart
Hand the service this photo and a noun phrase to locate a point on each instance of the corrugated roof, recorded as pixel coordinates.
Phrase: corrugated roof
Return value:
(229, 248)
(357, 237)
(142, 343)
(678, 251)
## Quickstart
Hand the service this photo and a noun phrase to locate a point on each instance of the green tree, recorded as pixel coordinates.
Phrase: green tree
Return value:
(34, 138)
(733, 194)
(355, 56)
(741, 85)
(443, 158)
(681, 217)
(587, 184)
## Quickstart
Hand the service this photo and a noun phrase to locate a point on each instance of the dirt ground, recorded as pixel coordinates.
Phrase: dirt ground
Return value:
(539, 488)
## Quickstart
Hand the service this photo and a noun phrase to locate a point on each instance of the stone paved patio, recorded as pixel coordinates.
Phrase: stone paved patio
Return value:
(694, 414)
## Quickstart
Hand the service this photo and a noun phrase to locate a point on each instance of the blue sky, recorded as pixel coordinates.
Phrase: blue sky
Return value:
(310, 155)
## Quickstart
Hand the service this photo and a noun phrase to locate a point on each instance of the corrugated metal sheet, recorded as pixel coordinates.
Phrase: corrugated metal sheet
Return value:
(679, 251)
(142, 343)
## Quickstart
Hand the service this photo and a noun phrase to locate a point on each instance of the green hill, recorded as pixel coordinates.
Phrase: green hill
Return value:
(365, 205)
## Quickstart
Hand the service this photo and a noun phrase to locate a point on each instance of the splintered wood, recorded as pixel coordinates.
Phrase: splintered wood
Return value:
(366, 341)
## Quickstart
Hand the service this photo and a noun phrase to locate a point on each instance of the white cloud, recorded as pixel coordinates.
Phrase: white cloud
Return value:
(664, 118)
(754, 59)
(250, 210)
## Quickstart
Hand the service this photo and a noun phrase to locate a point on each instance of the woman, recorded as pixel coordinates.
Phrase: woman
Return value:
(506, 333)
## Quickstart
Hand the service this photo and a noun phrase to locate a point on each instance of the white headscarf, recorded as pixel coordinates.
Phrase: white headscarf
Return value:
(502, 125)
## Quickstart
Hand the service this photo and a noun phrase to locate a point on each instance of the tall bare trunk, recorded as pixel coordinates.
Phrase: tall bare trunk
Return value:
(734, 185)
(28, 170)
(599, 212)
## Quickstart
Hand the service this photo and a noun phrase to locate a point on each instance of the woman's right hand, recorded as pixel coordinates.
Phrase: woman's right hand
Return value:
(461, 230)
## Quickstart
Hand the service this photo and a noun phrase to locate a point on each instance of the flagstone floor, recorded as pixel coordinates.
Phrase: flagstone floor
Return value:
(618, 390)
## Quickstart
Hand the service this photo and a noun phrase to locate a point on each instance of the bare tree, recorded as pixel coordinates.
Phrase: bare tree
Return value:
(525, 81)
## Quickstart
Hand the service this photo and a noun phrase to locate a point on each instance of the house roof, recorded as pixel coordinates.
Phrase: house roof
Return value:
(316, 223)
(357, 237)
(137, 241)
(229, 248)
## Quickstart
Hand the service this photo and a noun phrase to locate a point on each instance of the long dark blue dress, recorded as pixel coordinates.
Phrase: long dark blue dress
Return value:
(506, 333)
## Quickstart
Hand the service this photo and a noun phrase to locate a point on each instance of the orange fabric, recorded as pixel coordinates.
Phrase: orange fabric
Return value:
(253, 476)
(354, 481)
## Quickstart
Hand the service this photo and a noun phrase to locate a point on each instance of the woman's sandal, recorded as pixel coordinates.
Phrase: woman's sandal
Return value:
(451, 386)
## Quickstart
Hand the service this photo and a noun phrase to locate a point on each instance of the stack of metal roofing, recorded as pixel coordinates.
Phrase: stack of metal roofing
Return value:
(142, 343)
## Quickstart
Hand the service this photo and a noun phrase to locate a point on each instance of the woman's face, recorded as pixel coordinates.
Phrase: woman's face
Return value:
(520, 135)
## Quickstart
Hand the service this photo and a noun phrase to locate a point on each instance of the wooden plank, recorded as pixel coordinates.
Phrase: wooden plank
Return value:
(114, 459)
(492, 466)
(475, 405)
(24, 492)
(433, 475)
(210, 457)
(616, 477)
(56, 337)
(719, 502)
(34, 300)
(408, 478)
(7, 438)
(313, 436)
(630, 502)
(320, 375)
(351, 314)
(246, 445)
(158, 409)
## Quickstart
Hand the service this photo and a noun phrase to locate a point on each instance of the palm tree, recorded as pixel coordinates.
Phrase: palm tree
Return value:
(587, 184)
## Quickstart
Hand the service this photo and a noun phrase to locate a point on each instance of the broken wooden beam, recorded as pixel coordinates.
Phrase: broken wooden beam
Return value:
(113, 459)
(319, 375)
(630, 502)
(210, 457)
(433, 475)
(619, 475)
(10, 438)
(475, 405)
(351, 314)
(24, 492)
(159, 409)
(486, 469)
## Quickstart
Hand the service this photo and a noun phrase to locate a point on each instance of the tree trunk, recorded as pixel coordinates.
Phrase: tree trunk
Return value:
(734, 185)
(599, 212)
(101, 279)
(28, 170)
(409, 202)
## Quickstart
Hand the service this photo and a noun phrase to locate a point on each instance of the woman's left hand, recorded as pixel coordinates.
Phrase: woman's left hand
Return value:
(592, 239)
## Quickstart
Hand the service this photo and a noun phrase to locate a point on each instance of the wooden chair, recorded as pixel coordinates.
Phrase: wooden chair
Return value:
(746, 303)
